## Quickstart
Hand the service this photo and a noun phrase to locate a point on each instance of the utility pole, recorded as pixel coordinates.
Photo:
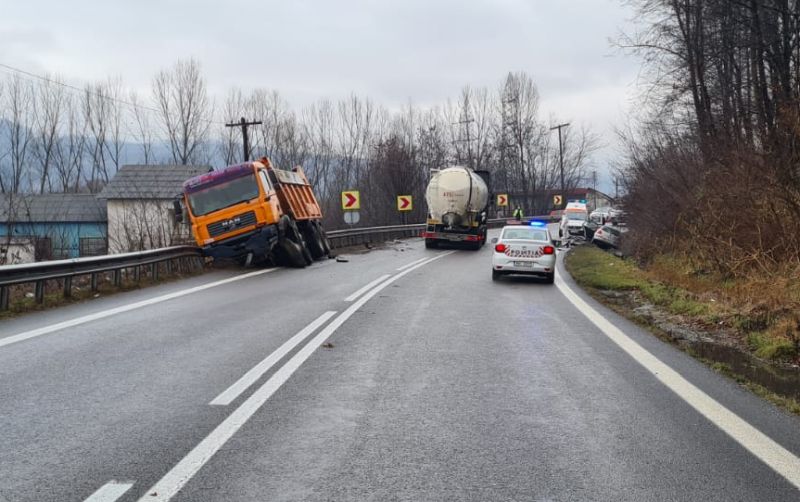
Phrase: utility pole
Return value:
(561, 163)
(243, 123)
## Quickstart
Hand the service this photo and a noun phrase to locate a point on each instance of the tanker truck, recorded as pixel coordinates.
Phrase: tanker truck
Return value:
(458, 200)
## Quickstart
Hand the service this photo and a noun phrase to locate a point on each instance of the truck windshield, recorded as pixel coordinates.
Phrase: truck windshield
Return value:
(228, 193)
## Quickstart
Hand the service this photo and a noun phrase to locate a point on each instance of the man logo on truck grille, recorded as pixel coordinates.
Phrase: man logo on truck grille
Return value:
(231, 223)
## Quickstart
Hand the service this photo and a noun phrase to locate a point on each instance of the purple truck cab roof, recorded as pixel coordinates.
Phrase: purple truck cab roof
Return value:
(217, 177)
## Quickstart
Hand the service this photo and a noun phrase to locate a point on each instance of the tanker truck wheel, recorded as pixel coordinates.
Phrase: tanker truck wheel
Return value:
(431, 244)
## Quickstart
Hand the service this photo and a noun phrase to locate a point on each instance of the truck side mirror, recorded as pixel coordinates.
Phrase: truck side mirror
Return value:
(178, 210)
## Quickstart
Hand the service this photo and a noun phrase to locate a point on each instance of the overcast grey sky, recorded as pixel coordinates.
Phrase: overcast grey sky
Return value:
(391, 51)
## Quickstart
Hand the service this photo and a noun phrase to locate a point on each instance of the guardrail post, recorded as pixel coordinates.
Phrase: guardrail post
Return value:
(154, 270)
(5, 292)
(67, 286)
(94, 282)
(118, 277)
(137, 273)
(169, 267)
(39, 289)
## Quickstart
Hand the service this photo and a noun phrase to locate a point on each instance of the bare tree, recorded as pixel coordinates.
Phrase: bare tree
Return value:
(115, 141)
(48, 109)
(185, 109)
(96, 115)
(19, 105)
(318, 125)
(142, 128)
(71, 147)
(520, 129)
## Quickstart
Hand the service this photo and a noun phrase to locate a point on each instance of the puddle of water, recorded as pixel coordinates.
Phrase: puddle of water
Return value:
(783, 381)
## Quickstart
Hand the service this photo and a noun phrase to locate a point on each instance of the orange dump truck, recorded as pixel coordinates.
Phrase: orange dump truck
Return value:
(254, 212)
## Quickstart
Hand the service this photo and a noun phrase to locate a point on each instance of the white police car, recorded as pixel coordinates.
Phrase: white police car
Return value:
(524, 249)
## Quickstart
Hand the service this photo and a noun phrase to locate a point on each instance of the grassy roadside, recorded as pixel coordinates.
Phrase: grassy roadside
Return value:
(725, 310)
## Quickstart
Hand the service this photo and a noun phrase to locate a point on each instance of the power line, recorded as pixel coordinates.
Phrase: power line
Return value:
(88, 90)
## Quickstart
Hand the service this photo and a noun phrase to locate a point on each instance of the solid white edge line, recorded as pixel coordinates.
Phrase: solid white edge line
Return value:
(188, 466)
(110, 491)
(231, 393)
(753, 440)
(26, 335)
(366, 288)
(407, 265)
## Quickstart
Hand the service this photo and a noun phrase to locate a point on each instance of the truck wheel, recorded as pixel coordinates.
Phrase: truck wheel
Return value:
(431, 244)
(292, 254)
(293, 246)
(301, 241)
(326, 244)
(314, 241)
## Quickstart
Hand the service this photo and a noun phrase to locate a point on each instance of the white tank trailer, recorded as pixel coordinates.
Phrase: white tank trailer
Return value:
(458, 200)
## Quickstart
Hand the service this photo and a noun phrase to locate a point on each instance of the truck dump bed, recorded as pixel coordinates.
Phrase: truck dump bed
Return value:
(294, 193)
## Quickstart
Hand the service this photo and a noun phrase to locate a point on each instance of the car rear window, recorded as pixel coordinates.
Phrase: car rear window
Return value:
(525, 233)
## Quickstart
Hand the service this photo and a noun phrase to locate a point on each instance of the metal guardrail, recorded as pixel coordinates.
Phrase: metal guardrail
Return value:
(65, 270)
(41, 272)
(364, 235)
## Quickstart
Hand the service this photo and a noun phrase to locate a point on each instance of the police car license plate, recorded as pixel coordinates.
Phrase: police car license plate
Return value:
(528, 264)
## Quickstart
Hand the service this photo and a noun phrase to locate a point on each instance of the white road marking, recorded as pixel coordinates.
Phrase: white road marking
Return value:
(756, 442)
(249, 378)
(110, 491)
(366, 288)
(26, 335)
(410, 264)
(189, 465)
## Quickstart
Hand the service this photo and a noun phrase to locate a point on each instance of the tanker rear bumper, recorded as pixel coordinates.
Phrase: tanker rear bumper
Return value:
(259, 242)
(452, 236)
(439, 233)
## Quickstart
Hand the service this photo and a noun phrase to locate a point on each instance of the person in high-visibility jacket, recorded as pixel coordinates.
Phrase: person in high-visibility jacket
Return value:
(518, 213)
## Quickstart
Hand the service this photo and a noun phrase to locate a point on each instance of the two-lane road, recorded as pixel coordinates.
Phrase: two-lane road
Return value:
(432, 383)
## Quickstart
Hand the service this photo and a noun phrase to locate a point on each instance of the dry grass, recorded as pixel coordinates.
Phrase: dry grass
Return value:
(762, 308)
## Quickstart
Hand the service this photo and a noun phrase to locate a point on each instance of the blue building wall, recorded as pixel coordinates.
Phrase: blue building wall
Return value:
(64, 237)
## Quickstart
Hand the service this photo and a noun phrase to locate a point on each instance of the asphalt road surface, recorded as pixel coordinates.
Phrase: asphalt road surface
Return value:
(403, 374)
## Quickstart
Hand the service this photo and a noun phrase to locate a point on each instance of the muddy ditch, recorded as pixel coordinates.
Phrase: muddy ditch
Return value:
(716, 346)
